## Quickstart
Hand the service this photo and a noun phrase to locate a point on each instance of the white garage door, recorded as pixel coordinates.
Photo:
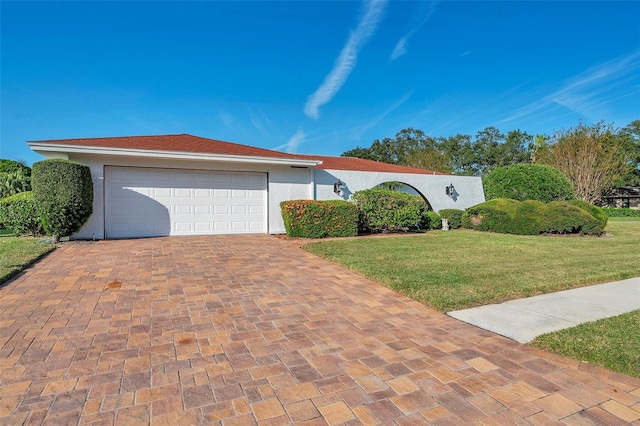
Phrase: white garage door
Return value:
(147, 202)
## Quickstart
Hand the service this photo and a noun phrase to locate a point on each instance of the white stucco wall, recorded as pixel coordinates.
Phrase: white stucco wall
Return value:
(284, 183)
(468, 189)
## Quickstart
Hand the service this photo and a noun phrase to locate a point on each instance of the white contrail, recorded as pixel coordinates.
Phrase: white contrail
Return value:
(401, 46)
(346, 61)
(587, 92)
(292, 145)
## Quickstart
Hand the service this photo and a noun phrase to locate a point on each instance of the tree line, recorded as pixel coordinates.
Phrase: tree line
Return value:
(594, 157)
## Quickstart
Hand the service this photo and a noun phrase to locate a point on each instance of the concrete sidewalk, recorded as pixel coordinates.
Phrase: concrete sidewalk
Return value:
(524, 319)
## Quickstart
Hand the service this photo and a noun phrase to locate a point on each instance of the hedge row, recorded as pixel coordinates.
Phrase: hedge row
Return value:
(319, 219)
(533, 218)
(18, 213)
(621, 212)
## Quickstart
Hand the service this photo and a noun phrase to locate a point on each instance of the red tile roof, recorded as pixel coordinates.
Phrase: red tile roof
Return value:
(362, 165)
(196, 144)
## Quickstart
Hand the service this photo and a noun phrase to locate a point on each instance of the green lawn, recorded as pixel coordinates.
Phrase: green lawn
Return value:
(16, 253)
(610, 342)
(460, 269)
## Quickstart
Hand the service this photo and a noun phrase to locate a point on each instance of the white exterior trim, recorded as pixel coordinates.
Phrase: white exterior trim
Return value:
(62, 148)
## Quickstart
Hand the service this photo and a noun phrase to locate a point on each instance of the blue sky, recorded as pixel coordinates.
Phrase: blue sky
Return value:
(312, 77)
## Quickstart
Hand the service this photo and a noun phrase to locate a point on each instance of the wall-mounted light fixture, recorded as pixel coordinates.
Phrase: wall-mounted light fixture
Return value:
(337, 187)
(449, 190)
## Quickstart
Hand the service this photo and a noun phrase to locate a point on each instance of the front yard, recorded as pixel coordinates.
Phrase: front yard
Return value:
(460, 269)
(16, 253)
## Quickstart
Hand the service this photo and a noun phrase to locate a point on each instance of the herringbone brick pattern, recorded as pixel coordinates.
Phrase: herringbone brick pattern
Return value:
(252, 330)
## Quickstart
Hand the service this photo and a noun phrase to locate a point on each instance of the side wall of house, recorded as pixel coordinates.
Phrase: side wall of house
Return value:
(468, 190)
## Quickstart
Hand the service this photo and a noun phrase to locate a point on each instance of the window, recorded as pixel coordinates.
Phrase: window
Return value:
(625, 203)
(611, 202)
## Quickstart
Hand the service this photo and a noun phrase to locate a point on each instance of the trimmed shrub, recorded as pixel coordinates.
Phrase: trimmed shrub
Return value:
(528, 182)
(14, 182)
(19, 214)
(454, 216)
(430, 220)
(319, 219)
(621, 212)
(594, 211)
(531, 218)
(383, 210)
(63, 194)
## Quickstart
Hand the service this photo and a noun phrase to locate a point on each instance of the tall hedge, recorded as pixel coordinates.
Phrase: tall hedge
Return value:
(383, 210)
(18, 213)
(319, 219)
(528, 182)
(63, 194)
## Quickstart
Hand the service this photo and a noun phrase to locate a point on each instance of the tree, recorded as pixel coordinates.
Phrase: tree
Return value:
(592, 157)
(631, 136)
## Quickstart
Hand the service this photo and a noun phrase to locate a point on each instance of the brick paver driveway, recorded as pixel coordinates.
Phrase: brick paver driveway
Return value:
(251, 329)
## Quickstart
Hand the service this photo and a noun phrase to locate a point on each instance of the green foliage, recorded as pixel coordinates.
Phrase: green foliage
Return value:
(430, 220)
(531, 218)
(594, 211)
(18, 213)
(63, 194)
(11, 166)
(14, 182)
(460, 154)
(454, 216)
(621, 212)
(319, 219)
(593, 157)
(382, 210)
(528, 182)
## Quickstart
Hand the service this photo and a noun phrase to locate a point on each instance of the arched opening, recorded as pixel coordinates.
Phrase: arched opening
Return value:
(404, 187)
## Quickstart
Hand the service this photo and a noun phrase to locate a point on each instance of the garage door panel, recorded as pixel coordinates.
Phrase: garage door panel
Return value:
(156, 202)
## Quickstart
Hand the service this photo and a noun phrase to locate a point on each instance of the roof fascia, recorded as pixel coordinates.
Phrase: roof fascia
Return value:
(77, 149)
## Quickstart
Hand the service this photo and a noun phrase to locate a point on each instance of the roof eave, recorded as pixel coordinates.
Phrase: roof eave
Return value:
(128, 152)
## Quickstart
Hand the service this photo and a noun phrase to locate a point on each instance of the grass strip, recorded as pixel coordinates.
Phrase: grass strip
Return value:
(613, 343)
(17, 253)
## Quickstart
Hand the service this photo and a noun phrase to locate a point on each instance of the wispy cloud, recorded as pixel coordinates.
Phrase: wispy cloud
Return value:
(346, 61)
(588, 93)
(292, 145)
(228, 120)
(361, 129)
(401, 46)
(259, 122)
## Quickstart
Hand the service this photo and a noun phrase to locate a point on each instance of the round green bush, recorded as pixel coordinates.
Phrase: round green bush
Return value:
(63, 195)
(430, 220)
(454, 216)
(531, 218)
(383, 210)
(528, 182)
(18, 213)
